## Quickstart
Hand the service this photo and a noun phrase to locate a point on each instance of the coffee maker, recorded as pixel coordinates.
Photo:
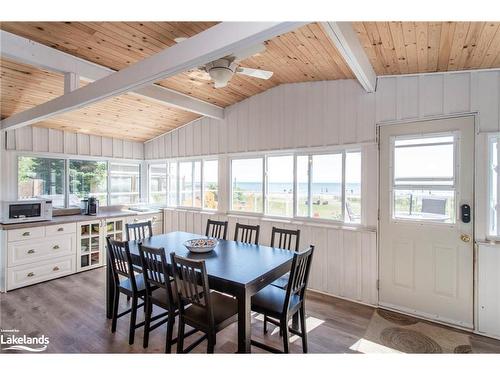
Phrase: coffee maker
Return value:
(90, 206)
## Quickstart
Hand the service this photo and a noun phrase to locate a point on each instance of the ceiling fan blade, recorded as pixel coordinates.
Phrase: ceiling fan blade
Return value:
(257, 73)
(248, 52)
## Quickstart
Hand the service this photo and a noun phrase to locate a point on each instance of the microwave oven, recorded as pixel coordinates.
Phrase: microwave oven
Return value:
(25, 211)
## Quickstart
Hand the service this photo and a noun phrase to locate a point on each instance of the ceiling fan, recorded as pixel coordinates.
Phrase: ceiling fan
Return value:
(221, 71)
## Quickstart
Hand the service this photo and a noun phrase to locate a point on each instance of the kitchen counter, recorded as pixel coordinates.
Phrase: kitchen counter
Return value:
(64, 219)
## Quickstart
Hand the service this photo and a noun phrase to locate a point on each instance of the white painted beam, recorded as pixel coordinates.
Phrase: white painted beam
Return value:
(26, 51)
(211, 44)
(345, 39)
(71, 82)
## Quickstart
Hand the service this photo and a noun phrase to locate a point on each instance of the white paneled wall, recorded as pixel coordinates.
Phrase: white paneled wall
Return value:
(429, 95)
(288, 116)
(31, 138)
(344, 263)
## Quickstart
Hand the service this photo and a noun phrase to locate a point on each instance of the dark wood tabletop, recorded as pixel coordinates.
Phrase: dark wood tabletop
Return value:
(233, 267)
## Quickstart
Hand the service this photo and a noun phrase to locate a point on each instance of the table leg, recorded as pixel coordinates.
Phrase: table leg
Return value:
(110, 291)
(244, 323)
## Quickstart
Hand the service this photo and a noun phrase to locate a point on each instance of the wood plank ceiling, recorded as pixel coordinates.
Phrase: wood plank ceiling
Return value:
(303, 55)
(420, 47)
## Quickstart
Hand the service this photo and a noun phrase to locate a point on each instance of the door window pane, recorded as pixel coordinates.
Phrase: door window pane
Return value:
(172, 184)
(353, 187)
(211, 184)
(430, 205)
(326, 186)
(280, 186)
(158, 183)
(186, 184)
(247, 184)
(124, 183)
(41, 178)
(493, 198)
(87, 178)
(302, 185)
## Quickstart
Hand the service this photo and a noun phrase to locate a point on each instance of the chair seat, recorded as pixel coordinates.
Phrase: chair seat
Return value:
(282, 282)
(139, 282)
(224, 308)
(159, 297)
(270, 301)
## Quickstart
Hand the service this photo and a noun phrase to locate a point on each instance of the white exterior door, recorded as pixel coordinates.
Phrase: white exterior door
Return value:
(426, 246)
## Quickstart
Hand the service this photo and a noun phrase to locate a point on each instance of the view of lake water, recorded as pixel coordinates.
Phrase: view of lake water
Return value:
(317, 188)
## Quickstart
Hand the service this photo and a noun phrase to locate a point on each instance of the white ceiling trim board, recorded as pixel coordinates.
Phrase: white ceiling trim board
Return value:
(345, 39)
(26, 51)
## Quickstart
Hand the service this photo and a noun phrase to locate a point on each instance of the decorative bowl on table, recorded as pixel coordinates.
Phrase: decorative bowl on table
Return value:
(201, 245)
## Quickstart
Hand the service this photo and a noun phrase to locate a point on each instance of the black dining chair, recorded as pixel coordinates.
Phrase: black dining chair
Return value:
(247, 233)
(216, 229)
(284, 239)
(280, 305)
(126, 282)
(139, 231)
(160, 288)
(203, 309)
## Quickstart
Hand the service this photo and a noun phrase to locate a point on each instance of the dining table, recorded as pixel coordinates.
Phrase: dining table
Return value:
(233, 267)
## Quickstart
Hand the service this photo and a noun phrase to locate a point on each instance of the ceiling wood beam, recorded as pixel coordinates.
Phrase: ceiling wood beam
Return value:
(211, 44)
(345, 39)
(71, 82)
(26, 51)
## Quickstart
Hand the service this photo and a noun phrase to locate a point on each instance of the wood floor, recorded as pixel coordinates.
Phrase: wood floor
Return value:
(70, 311)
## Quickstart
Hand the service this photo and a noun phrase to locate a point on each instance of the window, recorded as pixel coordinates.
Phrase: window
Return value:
(172, 184)
(87, 179)
(353, 187)
(424, 178)
(279, 193)
(158, 184)
(493, 196)
(247, 185)
(210, 184)
(41, 178)
(124, 183)
(190, 184)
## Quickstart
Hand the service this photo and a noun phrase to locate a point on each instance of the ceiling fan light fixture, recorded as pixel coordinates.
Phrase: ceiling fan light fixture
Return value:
(220, 76)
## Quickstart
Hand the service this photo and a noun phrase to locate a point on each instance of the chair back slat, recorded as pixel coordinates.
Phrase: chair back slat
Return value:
(216, 229)
(139, 231)
(155, 271)
(287, 239)
(247, 233)
(191, 282)
(299, 274)
(120, 261)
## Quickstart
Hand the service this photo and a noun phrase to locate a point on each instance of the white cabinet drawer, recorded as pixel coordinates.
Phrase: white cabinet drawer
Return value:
(52, 230)
(34, 273)
(25, 234)
(24, 252)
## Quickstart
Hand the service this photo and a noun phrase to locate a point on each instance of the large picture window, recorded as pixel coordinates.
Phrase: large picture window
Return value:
(41, 178)
(279, 192)
(110, 182)
(210, 184)
(158, 184)
(247, 185)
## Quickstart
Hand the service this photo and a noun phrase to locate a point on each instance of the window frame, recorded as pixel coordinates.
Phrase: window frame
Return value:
(490, 235)
(67, 160)
(454, 187)
(296, 154)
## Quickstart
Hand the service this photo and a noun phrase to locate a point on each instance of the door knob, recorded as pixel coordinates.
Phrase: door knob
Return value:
(465, 237)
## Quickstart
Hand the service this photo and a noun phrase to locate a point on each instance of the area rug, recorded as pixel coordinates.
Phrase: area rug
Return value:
(390, 332)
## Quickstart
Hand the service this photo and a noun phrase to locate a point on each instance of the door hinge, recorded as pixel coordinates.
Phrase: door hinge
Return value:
(378, 284)
(378, 214)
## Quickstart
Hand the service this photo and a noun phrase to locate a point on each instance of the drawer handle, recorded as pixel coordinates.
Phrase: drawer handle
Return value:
(60, 229)
(56, 268)
(31, 251)
(55, 247)
(31, 274)
(26, 234)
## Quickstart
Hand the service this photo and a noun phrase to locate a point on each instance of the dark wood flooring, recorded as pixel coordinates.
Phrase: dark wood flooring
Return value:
(71, 312)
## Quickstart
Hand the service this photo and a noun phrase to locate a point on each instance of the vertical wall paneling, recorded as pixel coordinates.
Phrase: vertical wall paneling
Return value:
(205, 134)
(331, 113)
(431, 95)
(189, 140)
(182, 141)
(168, 145)
(231, 116)
(138, 150)
(408, 98)
(386, 99)
(485, 99)
(253, 131)
(10, 140)
(70, 145)
(457, 92)
(117, 148)
(56, 141)
(277, 121)
(175, 144)
(128, 150)
(242, 140)
(95, 145)
(40, 139)
(83, 144)
(107, 147)
(214, 137)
